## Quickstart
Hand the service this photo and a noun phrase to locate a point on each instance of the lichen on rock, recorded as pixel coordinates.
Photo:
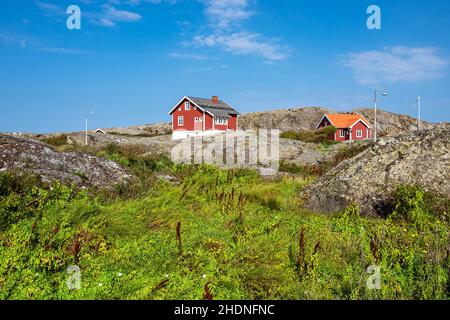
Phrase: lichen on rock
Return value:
(419, 158)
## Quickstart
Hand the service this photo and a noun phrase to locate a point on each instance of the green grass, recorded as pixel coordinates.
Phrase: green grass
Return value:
(248, 238)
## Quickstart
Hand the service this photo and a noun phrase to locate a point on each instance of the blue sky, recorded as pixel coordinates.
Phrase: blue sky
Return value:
(133, 60)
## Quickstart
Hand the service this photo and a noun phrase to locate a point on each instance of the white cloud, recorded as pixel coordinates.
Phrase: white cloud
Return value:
(11, 40)
(227, 33)
(396, 64)
(121, 15)
(245, 43)
(225, 14)
(107, 15)
(110, 16)
(26, 42)
(49, 7)
(189, 56)
(138, 2)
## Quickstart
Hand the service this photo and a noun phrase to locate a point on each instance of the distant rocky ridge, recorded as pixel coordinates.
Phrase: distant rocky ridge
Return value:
(417, 158)
(306, 118)
(156, 139)
(388, 123)
(34, 157)
(284, 119)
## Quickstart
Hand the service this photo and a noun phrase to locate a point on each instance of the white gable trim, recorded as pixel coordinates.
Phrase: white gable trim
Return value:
(361, 120)
(324, 117)
(185, 97)
(100, 131)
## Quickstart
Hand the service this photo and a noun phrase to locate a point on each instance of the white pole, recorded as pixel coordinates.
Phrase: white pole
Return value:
(375, 104)
(420, 123)
(86, 135)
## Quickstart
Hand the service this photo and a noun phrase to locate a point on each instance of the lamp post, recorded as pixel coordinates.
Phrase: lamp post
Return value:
(384, 94)
(418, 102)
(87, 117)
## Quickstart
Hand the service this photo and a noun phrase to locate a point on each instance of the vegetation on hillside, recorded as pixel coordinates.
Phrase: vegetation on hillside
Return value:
(316, 170)
(315, 136)
(56, 141)
(215, 234)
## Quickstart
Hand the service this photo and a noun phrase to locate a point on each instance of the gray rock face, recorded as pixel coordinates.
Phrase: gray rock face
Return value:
(284, 120)
(27, 155)
(420, 158)
(388, 123)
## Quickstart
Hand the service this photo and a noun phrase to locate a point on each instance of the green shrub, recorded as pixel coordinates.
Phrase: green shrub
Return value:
(318, 136)
(56, 141)
(294, 135)
(13, 182)
(412, 204)
(344, 153)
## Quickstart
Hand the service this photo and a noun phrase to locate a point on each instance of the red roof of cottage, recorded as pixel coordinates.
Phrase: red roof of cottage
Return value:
(345, 120)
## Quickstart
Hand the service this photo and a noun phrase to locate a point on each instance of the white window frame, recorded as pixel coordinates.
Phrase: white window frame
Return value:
(196, 119)
(359, 133)
(181, 123)
(221, 121)
(187, 105)
(342, 133)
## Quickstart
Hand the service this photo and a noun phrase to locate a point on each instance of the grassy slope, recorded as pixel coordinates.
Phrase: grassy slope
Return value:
(240, 237)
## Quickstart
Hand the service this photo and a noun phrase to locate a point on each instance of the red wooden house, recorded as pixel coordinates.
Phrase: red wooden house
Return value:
(350, 126)
(197, 116)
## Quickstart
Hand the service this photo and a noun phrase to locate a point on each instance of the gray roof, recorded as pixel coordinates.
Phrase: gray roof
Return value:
(219, 109)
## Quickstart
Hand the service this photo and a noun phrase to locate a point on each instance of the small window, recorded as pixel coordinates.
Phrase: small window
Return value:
(221, 121)
(180, 120)
(342, 133)
(359, 133)
(187, 105)
(196, 119)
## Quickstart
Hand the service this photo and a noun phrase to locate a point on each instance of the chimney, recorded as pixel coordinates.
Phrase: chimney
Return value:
(215, 99)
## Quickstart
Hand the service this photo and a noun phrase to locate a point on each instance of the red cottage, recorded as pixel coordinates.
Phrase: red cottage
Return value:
(350, 126)
(197, 116)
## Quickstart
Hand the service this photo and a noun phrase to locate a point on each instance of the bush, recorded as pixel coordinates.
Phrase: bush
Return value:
(344, 153)
(56, 141)
(294, 135)
(299, 169)
(414, 205)
(17, 183)
(317, 136)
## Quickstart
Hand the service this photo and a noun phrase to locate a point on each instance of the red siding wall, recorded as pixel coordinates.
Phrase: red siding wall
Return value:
(365, 131)
(359, 126)
(367, 134)
(191, 125)
(232, 123)
(338, 135)
(209, 122)
(189, 117)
